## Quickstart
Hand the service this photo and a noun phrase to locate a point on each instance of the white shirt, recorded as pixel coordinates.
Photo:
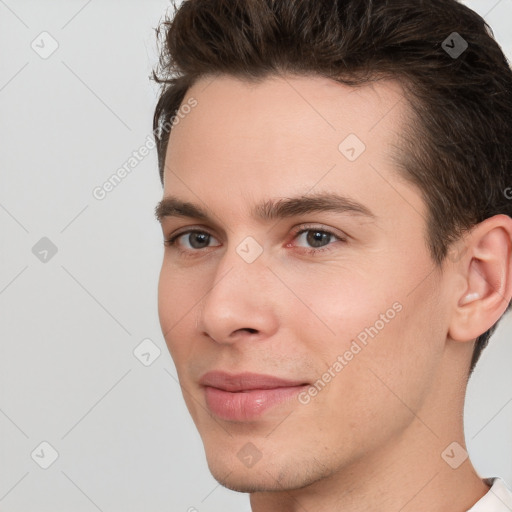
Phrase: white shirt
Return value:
(497, 499)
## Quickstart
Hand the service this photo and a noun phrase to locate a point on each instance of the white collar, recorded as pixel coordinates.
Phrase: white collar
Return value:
(497, 499)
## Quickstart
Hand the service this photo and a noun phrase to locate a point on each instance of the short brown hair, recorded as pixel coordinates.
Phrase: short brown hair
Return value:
(459, 150)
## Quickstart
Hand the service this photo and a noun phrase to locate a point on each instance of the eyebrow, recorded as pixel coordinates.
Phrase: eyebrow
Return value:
(271, 209)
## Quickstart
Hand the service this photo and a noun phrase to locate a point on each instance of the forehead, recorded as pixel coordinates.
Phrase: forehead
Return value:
(285, 135)
(272, 106)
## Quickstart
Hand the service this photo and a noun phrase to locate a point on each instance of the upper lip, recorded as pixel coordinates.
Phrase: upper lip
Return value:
(245, 381)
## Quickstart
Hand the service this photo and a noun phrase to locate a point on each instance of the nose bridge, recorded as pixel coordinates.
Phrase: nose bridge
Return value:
(240, 295)
(242, 266)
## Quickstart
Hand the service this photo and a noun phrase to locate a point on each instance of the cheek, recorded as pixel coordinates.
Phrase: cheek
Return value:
(393, 346)
(338, 303)
(381, 319)
(179, 292)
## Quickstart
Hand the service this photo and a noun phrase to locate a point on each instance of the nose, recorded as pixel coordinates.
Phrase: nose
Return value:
(242, 301)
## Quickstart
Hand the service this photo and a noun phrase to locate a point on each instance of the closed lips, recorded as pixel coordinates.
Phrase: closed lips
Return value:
(245, 381)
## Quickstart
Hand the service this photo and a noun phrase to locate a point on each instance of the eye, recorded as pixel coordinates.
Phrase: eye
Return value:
(191, 240)
(310, 240)
(316, 239)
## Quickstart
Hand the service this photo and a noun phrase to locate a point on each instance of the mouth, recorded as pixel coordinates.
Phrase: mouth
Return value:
(247, 396)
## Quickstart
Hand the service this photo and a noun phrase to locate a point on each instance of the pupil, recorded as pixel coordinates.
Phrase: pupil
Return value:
(317, 238)
(199, 240)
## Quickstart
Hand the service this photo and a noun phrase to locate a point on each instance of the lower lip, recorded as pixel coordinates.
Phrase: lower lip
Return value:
(247, 405)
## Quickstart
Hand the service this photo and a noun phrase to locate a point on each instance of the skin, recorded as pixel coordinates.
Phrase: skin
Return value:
(372, 438)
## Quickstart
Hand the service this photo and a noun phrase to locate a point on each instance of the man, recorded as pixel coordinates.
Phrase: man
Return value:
(338, 222)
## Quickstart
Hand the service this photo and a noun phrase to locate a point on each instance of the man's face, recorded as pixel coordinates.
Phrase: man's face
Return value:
(337, 303)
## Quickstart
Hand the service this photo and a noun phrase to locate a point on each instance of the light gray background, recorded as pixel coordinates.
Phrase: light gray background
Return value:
(68, 327)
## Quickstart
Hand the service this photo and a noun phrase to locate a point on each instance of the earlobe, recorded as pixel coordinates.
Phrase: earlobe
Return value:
(487, 271)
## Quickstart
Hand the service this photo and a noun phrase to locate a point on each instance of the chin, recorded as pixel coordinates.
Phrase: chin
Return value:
(265, 476)
(245, 483)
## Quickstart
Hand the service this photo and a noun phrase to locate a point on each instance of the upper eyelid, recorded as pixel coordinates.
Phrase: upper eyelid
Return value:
(322, 229)
(297, 229)
(187, 231)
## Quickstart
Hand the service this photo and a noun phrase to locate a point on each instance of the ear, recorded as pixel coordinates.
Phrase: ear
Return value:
(486, 269)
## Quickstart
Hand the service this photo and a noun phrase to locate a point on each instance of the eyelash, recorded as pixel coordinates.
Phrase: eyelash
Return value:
(171, 242)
